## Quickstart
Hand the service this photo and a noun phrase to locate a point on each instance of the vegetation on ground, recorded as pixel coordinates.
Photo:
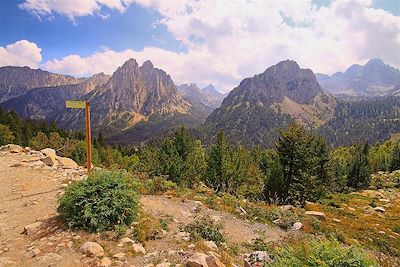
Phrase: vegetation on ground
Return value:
(102, 202)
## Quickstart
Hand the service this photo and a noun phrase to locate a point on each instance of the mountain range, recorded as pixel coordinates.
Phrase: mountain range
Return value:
(137, 103)
(375, 78)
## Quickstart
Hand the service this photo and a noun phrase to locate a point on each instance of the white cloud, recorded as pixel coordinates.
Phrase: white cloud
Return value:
(72, 9)
(228, 41)
(21, 53)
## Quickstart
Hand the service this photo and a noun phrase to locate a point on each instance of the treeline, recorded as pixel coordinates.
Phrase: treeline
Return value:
(301, 167)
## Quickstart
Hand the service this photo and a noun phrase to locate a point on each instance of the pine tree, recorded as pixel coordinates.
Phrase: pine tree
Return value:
(395, 158)
(359, 174)
(218, 163)
(6, 135)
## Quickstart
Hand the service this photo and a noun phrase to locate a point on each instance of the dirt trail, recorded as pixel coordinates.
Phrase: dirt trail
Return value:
(236, 230)
(28, 193)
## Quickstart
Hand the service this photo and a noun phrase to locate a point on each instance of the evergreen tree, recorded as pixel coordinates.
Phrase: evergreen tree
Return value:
(304, 158)
(273, 175)
(395, 158)
(6, 135)
(40, 141)
(359, 174)
(218, 164)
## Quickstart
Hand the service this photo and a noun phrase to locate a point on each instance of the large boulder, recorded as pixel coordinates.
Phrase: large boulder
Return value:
(92, 249)
(11, 148)
(197, 260)
(48, 152)
(317, 214)
(50, 160)
(66, 163)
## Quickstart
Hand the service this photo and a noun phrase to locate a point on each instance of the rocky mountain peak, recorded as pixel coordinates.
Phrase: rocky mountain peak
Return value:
(375, 62)
(147, 65)
(283, 79)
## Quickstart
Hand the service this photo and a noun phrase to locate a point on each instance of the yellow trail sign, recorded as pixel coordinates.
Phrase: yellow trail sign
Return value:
(75, 104)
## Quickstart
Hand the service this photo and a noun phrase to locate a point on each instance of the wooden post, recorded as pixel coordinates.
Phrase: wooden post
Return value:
(88, 138)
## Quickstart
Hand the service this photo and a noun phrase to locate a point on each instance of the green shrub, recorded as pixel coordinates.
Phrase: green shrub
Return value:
(283, 218)
(157, 185)
(397, 229)
(205, 228)
(102, 202)
(323, 253)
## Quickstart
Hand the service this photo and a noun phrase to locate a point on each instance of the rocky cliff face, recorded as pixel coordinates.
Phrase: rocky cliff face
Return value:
(16, 81)
(375, 78)
(253, 111)
(49, 102)
(206, 99)
(132, 94)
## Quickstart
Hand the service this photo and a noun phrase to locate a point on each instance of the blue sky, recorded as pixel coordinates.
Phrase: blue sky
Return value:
(203, 42)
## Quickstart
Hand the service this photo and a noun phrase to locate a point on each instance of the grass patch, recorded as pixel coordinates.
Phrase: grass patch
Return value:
(325, 252)
(206, 229)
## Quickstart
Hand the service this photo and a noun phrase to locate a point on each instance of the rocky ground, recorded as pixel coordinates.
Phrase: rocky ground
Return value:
(32, 235)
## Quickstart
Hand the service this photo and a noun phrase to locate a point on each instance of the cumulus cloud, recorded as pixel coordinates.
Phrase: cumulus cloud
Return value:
(21, 53)
(73, 9)
(228, 41)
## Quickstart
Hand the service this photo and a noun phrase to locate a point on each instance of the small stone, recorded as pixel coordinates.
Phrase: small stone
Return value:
(105, 262)
(191, 246)
(319, 215)
(6, 261)
(381, 232)
(127, 240)
(33, 253)
(92, 249)
(210, 245)
(351, 209)
(50, 259)
(164, 264)
(119, 256)
(138, 248)
(297, 226)
(32, 228)
(336, 220)
(380, 209)
(185, 236)
(384, 200)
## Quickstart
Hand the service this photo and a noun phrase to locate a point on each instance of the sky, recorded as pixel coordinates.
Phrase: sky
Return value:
(198, 41)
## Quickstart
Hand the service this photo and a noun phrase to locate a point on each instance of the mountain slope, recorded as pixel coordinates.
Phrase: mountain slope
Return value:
(369, 120)
(16, 81)
(133, 94)
(375, 78)
(253, 111)
(47, 103)
(204, 100)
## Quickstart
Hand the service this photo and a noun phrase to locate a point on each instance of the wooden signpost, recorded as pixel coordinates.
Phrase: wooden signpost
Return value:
(84, 105)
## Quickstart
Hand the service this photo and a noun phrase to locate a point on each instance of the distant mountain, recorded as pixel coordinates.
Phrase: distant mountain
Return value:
(205, 100)
(253, 111)
(375, 78)
(16, 81)
(49, 102)
(210, 90)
